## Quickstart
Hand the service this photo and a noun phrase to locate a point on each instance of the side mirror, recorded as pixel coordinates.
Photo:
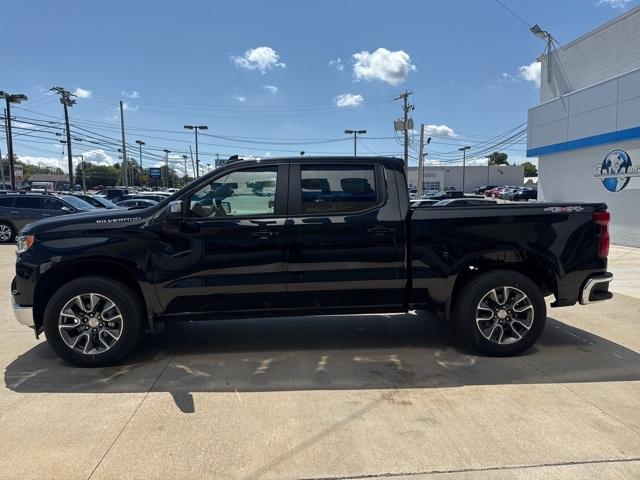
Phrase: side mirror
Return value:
(175, 210)
(67, 209)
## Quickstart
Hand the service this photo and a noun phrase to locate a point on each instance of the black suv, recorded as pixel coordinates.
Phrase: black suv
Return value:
(20, 209)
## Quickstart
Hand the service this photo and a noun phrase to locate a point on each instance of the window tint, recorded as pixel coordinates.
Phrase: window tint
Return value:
(337, 188)
(248, 192)
(6, 201)
(53, 204)
(28, 202)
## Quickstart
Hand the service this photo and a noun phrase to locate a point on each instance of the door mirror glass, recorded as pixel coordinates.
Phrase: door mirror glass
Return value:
(175, 209)
(67, 209)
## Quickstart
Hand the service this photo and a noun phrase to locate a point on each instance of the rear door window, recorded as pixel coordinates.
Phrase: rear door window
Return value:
(28, 202)
(53, 204)
(338, 188)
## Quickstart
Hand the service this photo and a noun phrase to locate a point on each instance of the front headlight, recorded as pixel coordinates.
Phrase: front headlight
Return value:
(25, 242)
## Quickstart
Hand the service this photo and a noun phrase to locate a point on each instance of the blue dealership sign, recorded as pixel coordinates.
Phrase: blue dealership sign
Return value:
(155, 172)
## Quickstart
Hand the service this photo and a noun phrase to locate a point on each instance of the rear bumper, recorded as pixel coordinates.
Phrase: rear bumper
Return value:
(24, 315)
(596, 289)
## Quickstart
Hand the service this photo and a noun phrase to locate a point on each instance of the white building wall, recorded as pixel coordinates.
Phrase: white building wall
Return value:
(590, 110)
(610, 50)
(475, 176)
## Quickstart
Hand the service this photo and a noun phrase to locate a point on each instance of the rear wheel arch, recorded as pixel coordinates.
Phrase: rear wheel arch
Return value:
(530, 264)
(53, 280)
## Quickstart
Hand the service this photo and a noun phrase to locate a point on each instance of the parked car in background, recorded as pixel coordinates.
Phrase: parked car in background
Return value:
(423, 202)
(489, 192)
(505, 192)
(445, 194)
(97, 201)
(464, 202)
(20, 209)
(137, 203)
(115, 194)
(524, 194)
(155, 196)
(484, 188)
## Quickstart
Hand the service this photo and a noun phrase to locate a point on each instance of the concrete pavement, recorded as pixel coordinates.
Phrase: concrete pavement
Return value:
(332, 397)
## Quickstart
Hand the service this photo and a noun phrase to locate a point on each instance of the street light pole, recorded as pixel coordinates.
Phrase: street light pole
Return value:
(9, 98)
(195, 128)
(355, 134)
(184, 157)
(464, 159)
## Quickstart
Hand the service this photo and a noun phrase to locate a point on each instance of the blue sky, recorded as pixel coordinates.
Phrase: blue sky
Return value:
(268, 72)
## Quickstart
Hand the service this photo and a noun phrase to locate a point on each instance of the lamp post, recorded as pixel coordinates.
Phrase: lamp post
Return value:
(184, 157)
(464, 161)
(11, 98)
(195, 128)
(488, 164)
(355, 134)
(140, 144)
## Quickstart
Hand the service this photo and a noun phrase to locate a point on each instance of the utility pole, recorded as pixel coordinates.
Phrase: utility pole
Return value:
(141, 143)
(166, 163)
(193, 164)
(67, 99)
(125, 179)
(464, 161)
(2, 170)
(420, 163)
(184, 157)
(355, 134)
(195, 128)
(406, 108)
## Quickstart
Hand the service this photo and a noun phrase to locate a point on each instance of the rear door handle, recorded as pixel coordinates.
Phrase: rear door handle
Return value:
(14, 212)
(379, 231)
(264, 234)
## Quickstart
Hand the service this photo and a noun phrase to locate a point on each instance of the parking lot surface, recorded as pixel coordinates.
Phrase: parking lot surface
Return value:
(391, 396)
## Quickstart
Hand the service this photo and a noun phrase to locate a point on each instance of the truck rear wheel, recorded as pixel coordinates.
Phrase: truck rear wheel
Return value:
(93, 321)
(500, 313)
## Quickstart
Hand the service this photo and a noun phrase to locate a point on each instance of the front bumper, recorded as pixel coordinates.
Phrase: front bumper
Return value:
(596, 289)
(24, 315)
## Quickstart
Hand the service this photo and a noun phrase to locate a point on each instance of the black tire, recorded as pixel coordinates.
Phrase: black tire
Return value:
(479, 289)
(12, 237)
(129, 306)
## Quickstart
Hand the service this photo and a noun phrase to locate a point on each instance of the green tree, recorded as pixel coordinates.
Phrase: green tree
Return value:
(498, 158)
(530, 170)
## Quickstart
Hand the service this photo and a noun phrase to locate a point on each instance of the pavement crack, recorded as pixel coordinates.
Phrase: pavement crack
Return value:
(472, 470)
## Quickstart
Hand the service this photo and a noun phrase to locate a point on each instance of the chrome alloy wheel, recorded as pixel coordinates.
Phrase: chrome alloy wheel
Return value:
(5, 233)
(504, 315)
(90, 323)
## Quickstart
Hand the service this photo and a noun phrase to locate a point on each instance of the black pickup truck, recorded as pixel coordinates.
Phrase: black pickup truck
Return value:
(305, 236)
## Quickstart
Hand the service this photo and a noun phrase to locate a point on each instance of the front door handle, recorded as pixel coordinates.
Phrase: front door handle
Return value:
(379, 231)
(264, 234)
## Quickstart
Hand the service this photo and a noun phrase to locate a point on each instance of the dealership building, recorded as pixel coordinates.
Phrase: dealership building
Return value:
(441, 177)
(586, 130)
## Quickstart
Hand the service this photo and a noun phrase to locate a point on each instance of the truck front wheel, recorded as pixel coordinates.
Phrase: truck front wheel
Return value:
(93, 321)
(500, 313)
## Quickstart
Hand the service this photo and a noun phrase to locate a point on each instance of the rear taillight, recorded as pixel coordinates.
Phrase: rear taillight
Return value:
(602, 219)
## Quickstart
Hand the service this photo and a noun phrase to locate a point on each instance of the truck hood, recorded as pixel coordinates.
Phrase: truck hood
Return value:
(99, 219)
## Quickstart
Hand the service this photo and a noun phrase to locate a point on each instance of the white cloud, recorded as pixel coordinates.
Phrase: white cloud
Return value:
(128, 107)
(442, 131)
(390, 67)
(337, 64)
(348, 100)
(270, 88)
(261, 58)
(133, 94)
(99, 157)
(615, 3)
(239, 98)
(531, 73)
(82, 93)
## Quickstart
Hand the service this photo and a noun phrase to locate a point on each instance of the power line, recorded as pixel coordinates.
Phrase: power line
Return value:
(513, 13)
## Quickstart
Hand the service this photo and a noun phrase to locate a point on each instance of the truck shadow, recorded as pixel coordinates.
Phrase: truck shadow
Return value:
(323, 353)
